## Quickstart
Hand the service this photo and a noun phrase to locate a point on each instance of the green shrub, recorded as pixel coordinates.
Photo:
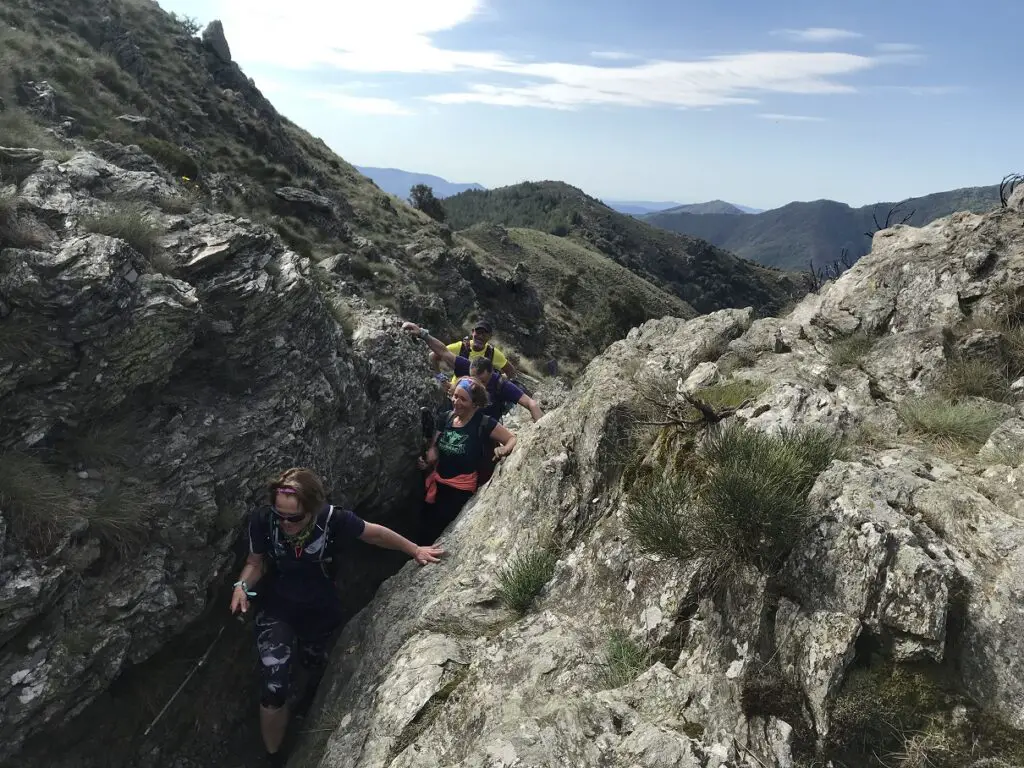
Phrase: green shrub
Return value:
(36, 501)
(130, 223)
(524, 577)
(625, 659)
(963, 424)
(745, 500)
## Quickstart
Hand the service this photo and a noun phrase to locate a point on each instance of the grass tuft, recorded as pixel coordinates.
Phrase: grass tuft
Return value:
(524, 577)
(625, 659)
(965, 424)
(121, 515)
(36, 501)
(130, 223)
(16, 231)
(850, 350)
(744, 501)
(974, 377)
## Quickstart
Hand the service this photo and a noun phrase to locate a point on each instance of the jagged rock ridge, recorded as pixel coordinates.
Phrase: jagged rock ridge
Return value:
(911, 562)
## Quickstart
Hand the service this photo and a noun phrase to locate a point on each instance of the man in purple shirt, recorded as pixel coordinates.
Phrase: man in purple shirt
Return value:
(499, 389)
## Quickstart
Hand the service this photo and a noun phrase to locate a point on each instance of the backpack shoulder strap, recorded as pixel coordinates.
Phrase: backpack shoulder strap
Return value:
(489, 352)
(483, 423)
(464, 349)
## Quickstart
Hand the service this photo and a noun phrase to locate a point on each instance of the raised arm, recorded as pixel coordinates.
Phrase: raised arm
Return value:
(436, 346)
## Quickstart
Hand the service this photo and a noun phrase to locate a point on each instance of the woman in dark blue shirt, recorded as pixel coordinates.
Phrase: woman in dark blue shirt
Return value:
(298, 536)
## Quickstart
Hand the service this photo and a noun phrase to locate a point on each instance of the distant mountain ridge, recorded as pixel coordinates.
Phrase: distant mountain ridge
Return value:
(395, 181)
(818, 231)
(706, 277)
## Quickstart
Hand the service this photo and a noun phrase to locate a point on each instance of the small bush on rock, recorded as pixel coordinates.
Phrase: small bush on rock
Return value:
(121, 515)
(524, 577)
(745, 502)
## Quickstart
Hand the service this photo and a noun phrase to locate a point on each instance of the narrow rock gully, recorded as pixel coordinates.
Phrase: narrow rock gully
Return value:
(213, 720)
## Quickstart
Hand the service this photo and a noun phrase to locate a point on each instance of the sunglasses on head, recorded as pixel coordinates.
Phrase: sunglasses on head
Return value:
(283, 515)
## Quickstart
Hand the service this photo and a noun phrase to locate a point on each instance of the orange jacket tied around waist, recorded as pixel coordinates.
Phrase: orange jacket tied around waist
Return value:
(466, 482)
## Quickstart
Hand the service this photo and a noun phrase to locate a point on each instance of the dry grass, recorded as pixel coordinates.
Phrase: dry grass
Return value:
(956, 425)
(129, 222)
(36, 500)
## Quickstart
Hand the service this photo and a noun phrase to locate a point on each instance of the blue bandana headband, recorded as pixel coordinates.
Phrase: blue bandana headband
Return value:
(467, 385)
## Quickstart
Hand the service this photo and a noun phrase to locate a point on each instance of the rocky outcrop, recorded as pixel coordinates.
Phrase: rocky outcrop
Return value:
(911, 557)
(179, 361)
(216, 41)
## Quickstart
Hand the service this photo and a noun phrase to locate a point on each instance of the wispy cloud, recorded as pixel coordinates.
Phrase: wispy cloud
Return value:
(791, 118)
(614, 55)
(897, 47)
(818, 34)
(715, 81)
(367, 105)
(398, 36)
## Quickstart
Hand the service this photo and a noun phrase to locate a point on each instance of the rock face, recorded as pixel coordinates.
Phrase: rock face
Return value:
(912, 556)
(186, 368)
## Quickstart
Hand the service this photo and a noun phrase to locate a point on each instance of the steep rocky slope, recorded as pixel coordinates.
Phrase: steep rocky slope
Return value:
(150, 383)
(884, 629)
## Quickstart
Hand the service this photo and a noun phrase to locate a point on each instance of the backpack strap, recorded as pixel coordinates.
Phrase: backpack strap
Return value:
(489, 352)
(464, 349)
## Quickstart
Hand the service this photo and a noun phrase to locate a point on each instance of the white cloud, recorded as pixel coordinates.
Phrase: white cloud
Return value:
(367, 105)
(614, 55)
(716, 81)
(398, 36)
(791, 118)
(818, 34)
(897, 47)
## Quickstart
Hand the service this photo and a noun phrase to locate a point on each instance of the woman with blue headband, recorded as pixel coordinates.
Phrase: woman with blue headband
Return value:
(454, 456)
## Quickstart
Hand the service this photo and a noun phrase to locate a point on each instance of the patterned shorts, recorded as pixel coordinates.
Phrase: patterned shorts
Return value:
(276, 642)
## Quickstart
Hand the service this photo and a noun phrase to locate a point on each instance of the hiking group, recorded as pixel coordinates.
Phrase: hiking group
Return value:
(294, 539)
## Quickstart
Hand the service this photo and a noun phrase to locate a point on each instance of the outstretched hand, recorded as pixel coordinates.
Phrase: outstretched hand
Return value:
(424, 555)
(410, 328)
(239, 601)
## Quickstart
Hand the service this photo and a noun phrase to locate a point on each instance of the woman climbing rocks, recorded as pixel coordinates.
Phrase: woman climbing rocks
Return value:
(455, 454)
(297, 534)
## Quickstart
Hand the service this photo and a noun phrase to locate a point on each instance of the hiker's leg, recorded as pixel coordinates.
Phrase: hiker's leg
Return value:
(274, 639)
(450, 502)
(313, 655)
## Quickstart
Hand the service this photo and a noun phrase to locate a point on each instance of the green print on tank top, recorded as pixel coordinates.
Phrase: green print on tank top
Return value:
(452, 443)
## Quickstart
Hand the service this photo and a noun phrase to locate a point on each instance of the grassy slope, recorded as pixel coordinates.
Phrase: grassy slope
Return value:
(589, 299)
(790, 236)
(706, 277)
(201, 121)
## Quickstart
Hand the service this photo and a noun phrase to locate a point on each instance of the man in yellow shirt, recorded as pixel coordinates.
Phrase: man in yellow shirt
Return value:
(477, 344)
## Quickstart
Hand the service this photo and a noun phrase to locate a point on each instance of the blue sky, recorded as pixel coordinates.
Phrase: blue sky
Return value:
(759, 102)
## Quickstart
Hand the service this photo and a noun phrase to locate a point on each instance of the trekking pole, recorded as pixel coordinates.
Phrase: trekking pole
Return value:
(181, 687)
